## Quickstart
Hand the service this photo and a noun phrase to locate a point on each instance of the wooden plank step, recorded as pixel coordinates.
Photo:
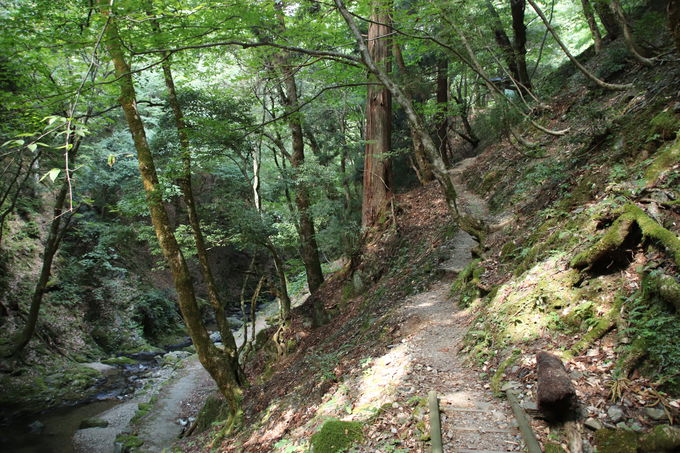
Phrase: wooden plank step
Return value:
(465, 450)
(467, 409)
(482, 431)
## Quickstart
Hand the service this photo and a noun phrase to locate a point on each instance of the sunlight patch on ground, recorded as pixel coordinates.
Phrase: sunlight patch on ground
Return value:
(379, 382)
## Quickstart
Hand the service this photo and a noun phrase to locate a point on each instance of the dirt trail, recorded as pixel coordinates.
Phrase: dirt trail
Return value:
(161, 429)
(473, 420)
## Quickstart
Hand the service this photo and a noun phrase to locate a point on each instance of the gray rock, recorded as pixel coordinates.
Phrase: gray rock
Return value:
(615, 414)
(635, 426)
(93, 423)
(622, 425)
(509, 386)
(215, 337)
(593, 423)
(655, 413)
(530, 406)
(37, 427)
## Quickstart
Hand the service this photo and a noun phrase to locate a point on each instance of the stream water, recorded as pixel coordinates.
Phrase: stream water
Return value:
(52, 431)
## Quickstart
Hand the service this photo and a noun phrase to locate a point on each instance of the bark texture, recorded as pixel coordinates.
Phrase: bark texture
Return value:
(609, 22)
(377, 171)
(555, 393)
(674, 21)
(592, 24)
(217, 362)
(519, 43)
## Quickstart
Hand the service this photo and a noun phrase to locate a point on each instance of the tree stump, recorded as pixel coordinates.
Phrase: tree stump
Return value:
(555, 393)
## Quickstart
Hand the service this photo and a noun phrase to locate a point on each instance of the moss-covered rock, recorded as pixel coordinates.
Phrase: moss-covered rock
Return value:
(214, 410)
(93, 423)
(662, 438)
(615, 441)
(663, 286)
(336, 436)
(129, 441)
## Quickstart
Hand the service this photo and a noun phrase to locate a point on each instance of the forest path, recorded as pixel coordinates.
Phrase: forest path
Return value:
(428, 358)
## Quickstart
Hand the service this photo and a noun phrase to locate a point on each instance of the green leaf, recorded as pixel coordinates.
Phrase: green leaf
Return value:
(52, 174)
(32, 147)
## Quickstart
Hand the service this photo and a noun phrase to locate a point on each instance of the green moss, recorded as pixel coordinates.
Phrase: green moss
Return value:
(214, 410)
(553, 448)
(661, 438)
(119, 361)
(93, 423)
(663, 286)
(336, 436)
(142, 410)
(615, 441)
(615, 236)
(665, 125)
(129, 441)
(604, 325)
(466, 285)
(497, 378)
(664, 159)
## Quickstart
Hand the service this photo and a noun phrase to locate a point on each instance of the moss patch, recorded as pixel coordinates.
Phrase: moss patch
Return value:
(214, 410)
(336, 436)
(129, 441)
(616, 441)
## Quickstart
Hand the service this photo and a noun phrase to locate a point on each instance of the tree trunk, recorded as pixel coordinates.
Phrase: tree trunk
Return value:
(502, 39)
(592, 24)
(217, 362)
(674, 20)
(51, 246)
(188, 195)
(519, 43)
(377, 171)
(588, 74)
(439, 168)
(443, 109)
(422, 166)
(634, 50)
(609, 22)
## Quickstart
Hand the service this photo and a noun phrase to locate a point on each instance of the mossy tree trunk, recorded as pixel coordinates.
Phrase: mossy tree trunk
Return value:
(217, 362)
(186, 188)
(674, 21)
(519, 43)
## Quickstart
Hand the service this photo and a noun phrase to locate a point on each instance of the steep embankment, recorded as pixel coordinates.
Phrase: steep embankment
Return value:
(578, 256)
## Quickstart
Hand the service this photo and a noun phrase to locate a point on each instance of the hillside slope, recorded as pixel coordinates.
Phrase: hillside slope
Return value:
(579, 256)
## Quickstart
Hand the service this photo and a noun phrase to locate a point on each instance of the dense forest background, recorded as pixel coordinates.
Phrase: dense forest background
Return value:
(166, 165)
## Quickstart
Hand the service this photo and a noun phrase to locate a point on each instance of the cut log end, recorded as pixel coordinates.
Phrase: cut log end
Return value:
(555, 392)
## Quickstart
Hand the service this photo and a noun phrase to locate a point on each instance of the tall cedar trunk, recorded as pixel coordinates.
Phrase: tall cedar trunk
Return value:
(674, 20)
(443, 109)
(519, 42)
(592, 24)
(377, 171)
(190, 202)
(609, 22)
(439, 168)
(217, 362)
(51, 246)
(502, 40)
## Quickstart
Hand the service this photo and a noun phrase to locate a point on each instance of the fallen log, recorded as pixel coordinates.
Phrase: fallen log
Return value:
(555, 394)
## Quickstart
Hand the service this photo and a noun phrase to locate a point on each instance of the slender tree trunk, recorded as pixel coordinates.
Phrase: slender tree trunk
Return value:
(439, 168)
(634, 50)
(592, 24)
(674, 20)
(51, 246)
(188, 195)
(519, 43)
(422, 166)
(217, 362)
(502, 39)
(443, 109)
(377, 168)
(609, 22)
(588, 74)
